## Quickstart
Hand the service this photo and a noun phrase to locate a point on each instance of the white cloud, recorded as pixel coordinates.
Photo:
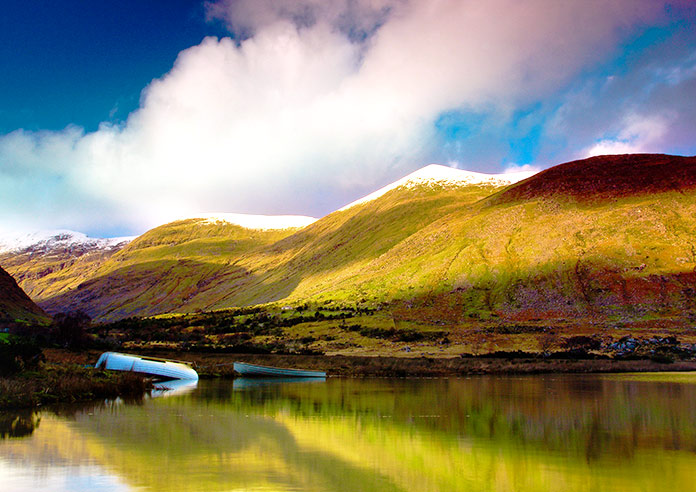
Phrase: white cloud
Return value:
(647, 104)
(640, 134)
(303, 120)
(524, 168)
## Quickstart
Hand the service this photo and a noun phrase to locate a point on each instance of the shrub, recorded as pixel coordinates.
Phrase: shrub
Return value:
(582, 342)
(19, 354)
(662, 358)
(70, 329)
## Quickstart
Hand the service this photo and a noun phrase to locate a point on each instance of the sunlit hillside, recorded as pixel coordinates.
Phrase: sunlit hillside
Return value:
(187, 266)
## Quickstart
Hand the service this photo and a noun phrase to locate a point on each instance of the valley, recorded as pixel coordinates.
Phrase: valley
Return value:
(441, 263)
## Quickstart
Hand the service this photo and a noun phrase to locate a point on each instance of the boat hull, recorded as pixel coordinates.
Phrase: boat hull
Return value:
(161, 369)
(253, 370)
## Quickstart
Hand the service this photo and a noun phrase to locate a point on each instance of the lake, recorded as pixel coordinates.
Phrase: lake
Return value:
(534, 433)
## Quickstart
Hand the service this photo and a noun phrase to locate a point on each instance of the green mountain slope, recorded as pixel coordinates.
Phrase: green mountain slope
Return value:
(162, 270)
(16, 306)
(604, 239)
(616, 243)
(184, 267)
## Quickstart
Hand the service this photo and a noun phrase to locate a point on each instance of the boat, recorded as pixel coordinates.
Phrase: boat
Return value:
(253, 370)
(160, 369)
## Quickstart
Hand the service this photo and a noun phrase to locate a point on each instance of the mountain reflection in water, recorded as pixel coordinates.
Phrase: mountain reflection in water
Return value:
(580, 432)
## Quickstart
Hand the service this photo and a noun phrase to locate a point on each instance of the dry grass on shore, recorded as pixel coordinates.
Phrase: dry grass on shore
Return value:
(220, 365)
(55, 383)
(352, 366)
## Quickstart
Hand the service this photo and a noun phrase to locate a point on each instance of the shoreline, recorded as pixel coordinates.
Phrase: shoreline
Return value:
(60, 383)
(65, 379)
(211, 365)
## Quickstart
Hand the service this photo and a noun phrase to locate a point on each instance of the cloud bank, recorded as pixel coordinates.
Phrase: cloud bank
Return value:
(312, 104)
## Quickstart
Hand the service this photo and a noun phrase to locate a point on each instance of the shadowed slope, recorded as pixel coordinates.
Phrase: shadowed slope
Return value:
(165, 269)
(15, 305)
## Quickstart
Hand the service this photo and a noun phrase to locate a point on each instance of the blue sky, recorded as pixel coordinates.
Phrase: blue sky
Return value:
(81, 63)
(118, 116)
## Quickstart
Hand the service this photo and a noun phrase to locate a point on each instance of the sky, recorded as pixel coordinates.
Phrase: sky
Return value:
(116, 117)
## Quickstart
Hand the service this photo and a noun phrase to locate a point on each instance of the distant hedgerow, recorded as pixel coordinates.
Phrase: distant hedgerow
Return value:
(393, 334)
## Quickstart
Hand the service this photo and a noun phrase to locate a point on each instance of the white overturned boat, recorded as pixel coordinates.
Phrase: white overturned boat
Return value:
(162, 369)
(253, 370)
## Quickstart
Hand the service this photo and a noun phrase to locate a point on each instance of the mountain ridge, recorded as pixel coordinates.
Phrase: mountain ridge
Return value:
(456, 253)
(443, 176)
(44, 241)
(613, 177)
(338, 242)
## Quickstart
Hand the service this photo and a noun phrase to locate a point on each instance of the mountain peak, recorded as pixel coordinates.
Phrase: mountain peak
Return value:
(56, 239)
(444, 176)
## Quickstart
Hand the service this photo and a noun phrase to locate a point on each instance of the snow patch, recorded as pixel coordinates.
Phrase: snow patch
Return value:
(261, 222)
(445, 176)
(57, 239)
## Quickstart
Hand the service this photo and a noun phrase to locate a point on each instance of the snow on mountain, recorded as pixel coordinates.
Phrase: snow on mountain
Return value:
(431, 174)
(57, 239)
(444, 176)
(263, 222)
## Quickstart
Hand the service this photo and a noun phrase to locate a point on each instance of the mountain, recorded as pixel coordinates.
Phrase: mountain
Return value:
(443, 176)
(48, 242)
(199, 265)
(601, 240)
(49, 261)
(159, 270)
(16, 306)
(607, 239)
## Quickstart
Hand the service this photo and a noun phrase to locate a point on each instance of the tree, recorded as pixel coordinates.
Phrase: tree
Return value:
(70, 329)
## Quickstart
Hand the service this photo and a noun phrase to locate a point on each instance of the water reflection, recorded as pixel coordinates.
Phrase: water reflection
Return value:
(175, 387)
(18, 424)
(242, 384)
(496, 434)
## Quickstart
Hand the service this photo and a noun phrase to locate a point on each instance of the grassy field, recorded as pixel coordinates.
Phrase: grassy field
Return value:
(340, 330)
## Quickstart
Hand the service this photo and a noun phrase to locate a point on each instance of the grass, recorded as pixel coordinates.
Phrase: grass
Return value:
(54, 383)
(400, 332)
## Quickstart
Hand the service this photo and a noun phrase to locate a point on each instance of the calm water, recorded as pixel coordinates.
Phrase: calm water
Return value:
(543, 433)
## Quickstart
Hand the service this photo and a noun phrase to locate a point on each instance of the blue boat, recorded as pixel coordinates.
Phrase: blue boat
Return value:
(256, 371)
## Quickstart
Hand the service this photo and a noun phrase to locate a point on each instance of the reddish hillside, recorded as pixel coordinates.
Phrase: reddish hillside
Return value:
(606, 177)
